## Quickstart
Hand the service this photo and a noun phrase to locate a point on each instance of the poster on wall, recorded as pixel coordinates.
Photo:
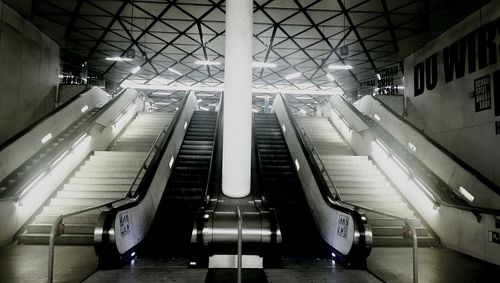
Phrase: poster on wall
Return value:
(387, 81)
(482, 93)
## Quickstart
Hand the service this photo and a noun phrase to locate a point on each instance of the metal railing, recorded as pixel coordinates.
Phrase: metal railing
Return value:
(240, 242)
(58, 227)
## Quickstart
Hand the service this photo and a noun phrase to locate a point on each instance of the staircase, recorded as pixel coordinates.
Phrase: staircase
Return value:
(281, 186)
(170, 234)
(361, 182)
(10, 182)
(105, 176)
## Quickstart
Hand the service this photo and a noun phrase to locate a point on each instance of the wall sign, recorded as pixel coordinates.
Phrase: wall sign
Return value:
(389, 82)
(124, 223)
(342, 226)
(482, 93)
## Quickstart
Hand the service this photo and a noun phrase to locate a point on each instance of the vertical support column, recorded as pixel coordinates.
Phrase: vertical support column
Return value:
(237, 136)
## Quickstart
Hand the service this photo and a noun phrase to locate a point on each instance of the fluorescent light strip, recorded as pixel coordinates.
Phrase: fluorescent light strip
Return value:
(293, 76)
(204, 108)
(263, 65)
(466, 194)
(330, 77)
(136, 69)
(339, 67)
(46, 138)
(84, 108)
(206, 62)
(118, 59)
(175, 71)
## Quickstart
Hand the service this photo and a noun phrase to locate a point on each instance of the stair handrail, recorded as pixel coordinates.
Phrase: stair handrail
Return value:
(128, 198)
(57, 229)
(53, 157)
(313, 150)
(483, 179)
(410, 224)
(476, 210)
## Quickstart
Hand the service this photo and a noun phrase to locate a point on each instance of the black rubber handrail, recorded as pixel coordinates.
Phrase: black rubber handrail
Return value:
(211, 172)
(483, 179)
(33, 125)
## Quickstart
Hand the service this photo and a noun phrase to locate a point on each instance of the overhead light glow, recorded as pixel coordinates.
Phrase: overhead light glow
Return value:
(264, 65)
(118, 59)
(46, 138)
(161, 93)
(293, 76)
(466, 194)
(175, 71)
(330, 77)
(135, 70)
(206, 62)
(339, 67)
(199, 100)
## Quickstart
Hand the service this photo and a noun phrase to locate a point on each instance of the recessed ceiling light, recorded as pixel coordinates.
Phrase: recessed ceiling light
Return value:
(330, 77)
(293, 76)
(136, 69)
(119, 59)
(339, 67)
(264, 65)
(175, 71)
(206, 62)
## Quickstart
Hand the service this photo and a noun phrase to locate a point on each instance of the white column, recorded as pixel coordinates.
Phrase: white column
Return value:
(237, 137)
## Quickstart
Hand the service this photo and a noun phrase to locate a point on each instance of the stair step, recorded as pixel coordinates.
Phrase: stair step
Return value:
(67, 239)
(401, 242)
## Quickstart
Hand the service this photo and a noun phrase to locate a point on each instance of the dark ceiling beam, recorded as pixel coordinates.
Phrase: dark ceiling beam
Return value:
(387, 16)
(269, 47)
(73, 18)
(360, 40)
(108, 28)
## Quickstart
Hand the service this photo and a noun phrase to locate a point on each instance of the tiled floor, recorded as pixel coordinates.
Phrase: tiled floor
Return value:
(76, 263)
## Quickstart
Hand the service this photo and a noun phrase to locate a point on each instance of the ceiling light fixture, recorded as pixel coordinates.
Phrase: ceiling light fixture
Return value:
(339, 67)
(118, 59)
(206, 62)
(175, 71)
(293, 76)
(263, 65)
(135, 70)
(379, 77)
(330, 77)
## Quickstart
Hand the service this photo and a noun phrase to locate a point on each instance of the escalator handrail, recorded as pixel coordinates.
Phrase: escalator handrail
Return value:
(483, 179)
(328, 197)
(323, 167)
(473, 209)
(259, 165)
(52, 157)
(211, 172)
(33, 125)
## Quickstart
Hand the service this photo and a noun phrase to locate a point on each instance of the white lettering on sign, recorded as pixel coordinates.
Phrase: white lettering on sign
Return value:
(124, 223)
(342, 226)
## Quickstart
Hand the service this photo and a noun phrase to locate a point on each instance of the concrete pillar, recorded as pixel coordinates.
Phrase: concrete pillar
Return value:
(237, 137)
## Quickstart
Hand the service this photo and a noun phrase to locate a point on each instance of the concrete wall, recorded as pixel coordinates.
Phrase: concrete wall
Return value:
(445, 107)
(29, 68)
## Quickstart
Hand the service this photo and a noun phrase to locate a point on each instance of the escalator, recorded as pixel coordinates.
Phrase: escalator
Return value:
(170, 233)
(282, 189)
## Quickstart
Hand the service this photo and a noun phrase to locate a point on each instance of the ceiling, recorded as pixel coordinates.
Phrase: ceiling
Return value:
(298, 35)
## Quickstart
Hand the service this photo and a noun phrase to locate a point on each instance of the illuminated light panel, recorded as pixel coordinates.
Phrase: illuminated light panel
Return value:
(175, 71)
(171, 162)
(297, 165)
(412, 147)
(330, 77)
(377, 117)
(161, 93)
(46, 138)
(84, 108)
(339, 67)
(283, 127)
(135, 70)
(264, 65)
(176, 108)
(466, 194)
(185, 125)
(204, 108)
(293, 76)
(118, 59)
(207, 63)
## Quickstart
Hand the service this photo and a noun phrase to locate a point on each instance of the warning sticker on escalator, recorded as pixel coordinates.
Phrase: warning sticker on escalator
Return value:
(124, 224)
(342, 226)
